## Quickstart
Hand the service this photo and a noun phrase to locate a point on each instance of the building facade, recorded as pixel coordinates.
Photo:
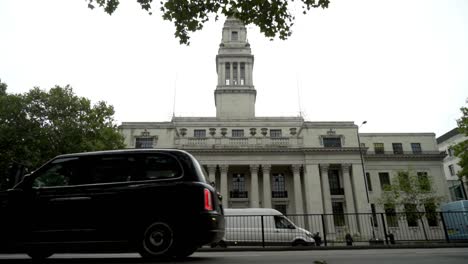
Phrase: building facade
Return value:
(445, 143)
(287, 163)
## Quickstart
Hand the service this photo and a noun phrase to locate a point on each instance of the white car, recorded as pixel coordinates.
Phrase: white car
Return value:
(246, 225)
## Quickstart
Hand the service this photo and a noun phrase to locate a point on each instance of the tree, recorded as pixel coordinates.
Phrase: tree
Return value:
(415, 193)
(461, 149)
(273, 17)
(39, 125)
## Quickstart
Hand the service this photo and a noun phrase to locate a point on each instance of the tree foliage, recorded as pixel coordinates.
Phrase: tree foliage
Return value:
(461, 149)
(273, 17)
(415, 194)
(39, 125)
(409, 188)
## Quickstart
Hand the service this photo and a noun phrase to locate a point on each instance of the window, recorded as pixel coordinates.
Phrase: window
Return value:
(282, 222)
(234, 73)
(369, 183)
(60, 172)
(423, 180)
(275, 133)
(379, 148)
(110, 169)
(237, 133)
(332, 142)
(227, 72)
(390, 215)
(411, 214)
(450, 152)
(144, 142)
(238, 186)
(279, 186)
(199, 133)
(416, 147)
(338, 213)
(431, 214)
(242, 73)
(159, 167)
(374, 216)
(397, 148)
(334, 181)
(234, 36)
(451, 170)
(384, 178)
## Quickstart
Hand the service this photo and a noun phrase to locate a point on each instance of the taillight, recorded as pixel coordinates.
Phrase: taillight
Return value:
(208, 201)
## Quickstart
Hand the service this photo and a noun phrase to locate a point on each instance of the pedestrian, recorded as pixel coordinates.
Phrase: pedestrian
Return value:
(349, 239)
(317, 239)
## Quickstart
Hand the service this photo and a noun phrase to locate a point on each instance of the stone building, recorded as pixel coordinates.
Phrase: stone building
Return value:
(451, 167)
(287, 163)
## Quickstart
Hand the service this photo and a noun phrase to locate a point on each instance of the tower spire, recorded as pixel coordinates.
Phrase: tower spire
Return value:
(235, 94)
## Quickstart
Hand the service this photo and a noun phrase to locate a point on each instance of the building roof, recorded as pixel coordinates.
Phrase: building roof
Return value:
(448, 135)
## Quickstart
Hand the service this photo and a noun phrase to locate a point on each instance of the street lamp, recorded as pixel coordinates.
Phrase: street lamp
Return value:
(362, 162)
(365, 179)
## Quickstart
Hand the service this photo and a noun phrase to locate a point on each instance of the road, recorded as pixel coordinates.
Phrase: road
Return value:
(379, 256)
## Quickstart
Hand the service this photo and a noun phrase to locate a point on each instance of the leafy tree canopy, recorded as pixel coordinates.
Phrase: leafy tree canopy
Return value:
(461, 149)
(273, 17)
(39, 125)
(409, 188)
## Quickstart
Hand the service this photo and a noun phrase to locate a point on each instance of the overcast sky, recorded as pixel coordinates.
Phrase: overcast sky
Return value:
(400, 65)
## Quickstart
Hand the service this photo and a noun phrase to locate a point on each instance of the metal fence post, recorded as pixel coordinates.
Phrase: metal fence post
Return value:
(323, 230)
(263, 233)
(384, 228)
(445, 227)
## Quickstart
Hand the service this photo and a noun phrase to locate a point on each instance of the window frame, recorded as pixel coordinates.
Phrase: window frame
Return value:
(397, 148)
(416, 148)
(334, 144)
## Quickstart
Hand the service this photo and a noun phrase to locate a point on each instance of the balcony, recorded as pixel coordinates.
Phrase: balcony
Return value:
(336, 191)
(404, 155)
(238, 142)
(239, 194)
(402, 152)
(279, 194)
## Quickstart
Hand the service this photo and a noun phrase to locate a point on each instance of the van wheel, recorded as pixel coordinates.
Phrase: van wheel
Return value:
(39, 254)
(222, 244)
(298, 243)
(157, 241)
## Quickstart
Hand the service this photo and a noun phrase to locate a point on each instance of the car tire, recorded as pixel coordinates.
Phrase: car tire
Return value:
(157, 241)
(299, 242)
(39, 254)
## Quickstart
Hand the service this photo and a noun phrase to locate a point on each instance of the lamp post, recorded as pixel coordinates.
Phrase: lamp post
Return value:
(362, 162)
(365, 179)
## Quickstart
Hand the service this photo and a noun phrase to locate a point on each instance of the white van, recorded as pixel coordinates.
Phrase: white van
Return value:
(244, 226)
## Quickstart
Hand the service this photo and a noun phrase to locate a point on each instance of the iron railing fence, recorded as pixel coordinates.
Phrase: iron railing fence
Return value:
(337, 229)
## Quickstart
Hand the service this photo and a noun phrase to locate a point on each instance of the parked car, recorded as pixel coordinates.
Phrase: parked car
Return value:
(262, 225)
(155, 202)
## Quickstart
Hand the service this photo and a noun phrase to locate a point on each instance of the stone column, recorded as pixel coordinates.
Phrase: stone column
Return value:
(296, 168)
(266, 186)
(349, 199)
(326, 189)
(362, 205)
(254, 200)
(212, 173)
(313, 198)
(224, 184)
(327, 203)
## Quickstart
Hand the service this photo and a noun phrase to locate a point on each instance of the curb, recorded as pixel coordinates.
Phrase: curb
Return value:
(237, 249)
